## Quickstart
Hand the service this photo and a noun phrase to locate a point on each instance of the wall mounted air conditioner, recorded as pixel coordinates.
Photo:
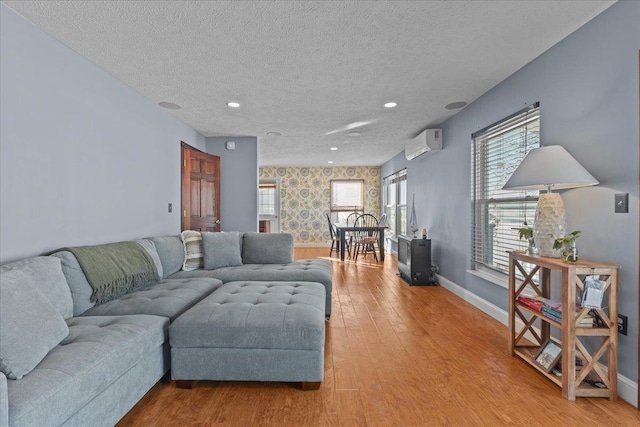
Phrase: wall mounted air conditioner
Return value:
(428, 140)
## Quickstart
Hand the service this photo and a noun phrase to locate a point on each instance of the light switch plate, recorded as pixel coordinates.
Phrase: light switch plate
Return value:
(622, 202)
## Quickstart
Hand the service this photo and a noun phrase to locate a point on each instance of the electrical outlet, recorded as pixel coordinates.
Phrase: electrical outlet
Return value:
(170, 208)
(622, 324)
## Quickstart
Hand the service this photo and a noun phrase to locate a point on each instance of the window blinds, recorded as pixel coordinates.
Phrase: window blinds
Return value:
(498, 214)
(347, 195)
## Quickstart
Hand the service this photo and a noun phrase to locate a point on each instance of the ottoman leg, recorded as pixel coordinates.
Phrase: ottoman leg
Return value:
(310, 385)
(188, 384)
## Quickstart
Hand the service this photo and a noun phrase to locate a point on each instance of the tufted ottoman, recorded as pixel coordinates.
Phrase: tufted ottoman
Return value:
(252, 331)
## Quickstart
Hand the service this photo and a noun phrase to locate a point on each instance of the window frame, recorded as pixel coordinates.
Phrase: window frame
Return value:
(272, 185)
(399, 227)
(336, 210)
(487, 253)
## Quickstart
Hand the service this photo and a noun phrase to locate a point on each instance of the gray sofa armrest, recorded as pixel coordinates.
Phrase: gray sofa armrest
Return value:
(4, 402)
(267, 248)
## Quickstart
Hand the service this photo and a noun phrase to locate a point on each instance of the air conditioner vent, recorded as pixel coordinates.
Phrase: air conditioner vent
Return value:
(428, 140)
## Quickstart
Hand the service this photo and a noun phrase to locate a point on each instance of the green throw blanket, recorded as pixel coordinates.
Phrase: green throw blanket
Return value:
(115, 269)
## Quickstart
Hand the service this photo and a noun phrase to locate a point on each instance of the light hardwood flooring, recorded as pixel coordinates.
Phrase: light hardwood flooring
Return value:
(395, 355)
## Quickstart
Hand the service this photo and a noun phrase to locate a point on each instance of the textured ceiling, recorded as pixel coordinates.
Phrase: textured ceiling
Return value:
(308, 69)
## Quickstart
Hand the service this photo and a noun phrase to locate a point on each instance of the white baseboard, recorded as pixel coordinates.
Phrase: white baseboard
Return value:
(627, 389)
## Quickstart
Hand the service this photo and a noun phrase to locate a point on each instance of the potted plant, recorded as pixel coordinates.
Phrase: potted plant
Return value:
(526, 232)
(568, 246)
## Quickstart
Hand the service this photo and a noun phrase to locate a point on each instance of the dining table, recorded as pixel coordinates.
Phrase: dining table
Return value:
(343, 228)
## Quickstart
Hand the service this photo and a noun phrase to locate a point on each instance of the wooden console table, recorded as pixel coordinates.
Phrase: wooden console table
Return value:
(572, 381)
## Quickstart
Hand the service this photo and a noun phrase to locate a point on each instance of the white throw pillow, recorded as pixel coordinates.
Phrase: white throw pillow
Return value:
(193, 253)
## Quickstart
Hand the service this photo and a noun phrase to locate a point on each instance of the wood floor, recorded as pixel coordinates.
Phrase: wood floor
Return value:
(395, 356)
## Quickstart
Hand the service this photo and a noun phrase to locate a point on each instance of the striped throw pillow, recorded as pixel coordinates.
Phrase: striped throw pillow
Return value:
(193, 253)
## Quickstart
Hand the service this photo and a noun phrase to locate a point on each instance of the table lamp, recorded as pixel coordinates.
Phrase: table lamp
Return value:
(551, 168)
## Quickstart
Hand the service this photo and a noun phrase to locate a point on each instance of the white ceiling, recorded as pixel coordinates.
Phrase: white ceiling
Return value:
(308, 68)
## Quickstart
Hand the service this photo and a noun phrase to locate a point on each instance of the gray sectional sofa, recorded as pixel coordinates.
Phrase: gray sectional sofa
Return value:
(77, 363)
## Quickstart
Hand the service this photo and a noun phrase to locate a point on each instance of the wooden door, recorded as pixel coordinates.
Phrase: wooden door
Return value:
(200, 190)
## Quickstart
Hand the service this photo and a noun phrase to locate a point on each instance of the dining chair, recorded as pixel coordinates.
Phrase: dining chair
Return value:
(366, 241)
(351, 220)
(335, 240)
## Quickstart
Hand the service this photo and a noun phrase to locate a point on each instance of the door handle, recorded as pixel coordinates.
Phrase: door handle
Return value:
(217, 221)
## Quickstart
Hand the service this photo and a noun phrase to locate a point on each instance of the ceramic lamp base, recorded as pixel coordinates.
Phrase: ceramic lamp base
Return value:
(550, 223)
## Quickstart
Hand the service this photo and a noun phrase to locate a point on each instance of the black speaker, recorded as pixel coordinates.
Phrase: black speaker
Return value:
(414, 260)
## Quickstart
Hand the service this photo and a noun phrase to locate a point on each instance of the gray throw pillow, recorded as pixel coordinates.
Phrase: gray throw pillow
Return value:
(47, 275)
(221, 249)
(267, 248)
(171, 252)
(150, 248)
(31, 326)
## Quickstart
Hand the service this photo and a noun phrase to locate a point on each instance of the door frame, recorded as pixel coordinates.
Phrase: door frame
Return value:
(276, 217)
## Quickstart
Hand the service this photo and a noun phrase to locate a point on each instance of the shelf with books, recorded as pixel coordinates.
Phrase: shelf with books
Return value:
(539, 314)
(551, 311)
(581, 377)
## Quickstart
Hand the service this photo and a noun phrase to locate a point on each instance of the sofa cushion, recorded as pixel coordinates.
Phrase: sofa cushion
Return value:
(307, 270)
(267, 248)
(30, 326)
(150, 248)
(263, 315)
(169, 298)
(171, 253)
(193, 253)
(80, 288)
(97, 351)
(193, 274)
(222, 249)
(48, 276)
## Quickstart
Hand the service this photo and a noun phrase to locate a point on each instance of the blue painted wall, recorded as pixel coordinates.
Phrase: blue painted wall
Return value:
(238, 182)
(84, 159)
(587, 86)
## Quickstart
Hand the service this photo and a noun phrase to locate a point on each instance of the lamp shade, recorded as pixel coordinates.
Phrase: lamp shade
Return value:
(550, 167)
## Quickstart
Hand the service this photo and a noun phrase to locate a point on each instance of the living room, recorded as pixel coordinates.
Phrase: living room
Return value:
(81, 149)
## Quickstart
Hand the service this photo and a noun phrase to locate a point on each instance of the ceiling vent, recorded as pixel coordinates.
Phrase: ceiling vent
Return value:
(428, 140)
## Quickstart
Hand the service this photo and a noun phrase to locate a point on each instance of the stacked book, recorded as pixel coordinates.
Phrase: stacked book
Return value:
(552, 308)
(580, 363)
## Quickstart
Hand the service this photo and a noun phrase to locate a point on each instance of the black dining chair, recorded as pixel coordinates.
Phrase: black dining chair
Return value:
(351, 220)
(335, 240)
(366, 241)
(383, 220)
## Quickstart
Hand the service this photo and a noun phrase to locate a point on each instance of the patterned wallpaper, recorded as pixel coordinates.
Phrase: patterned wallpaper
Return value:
(305, 195)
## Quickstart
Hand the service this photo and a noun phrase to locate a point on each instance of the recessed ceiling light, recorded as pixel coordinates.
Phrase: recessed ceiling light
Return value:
(330, 161)
(455, 105)
(334, 148)
(233, 104)
(169, 105)
(354, 134)
(274, 133)
(390, 105)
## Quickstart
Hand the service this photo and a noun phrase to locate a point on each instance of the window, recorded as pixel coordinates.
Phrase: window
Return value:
(395, 203)
(267, 199)
(268, 206)
(347, 196)
(498, 214)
